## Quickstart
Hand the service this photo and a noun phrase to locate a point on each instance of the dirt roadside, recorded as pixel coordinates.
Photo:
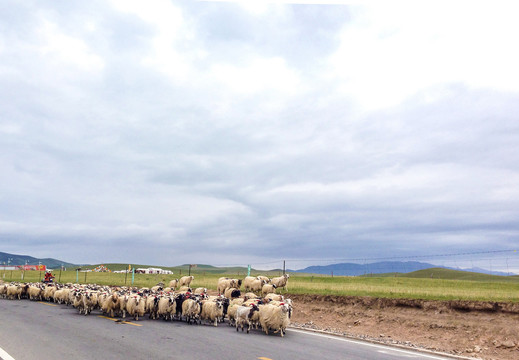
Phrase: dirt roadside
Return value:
(485, 330)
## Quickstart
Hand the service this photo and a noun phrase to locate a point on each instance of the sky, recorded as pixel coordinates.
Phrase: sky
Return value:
(235, 133)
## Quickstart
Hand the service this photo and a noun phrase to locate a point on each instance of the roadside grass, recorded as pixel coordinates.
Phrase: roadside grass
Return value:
(504, 289)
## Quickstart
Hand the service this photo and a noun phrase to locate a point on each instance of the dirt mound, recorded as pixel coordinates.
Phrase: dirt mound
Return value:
(382, 303)
(487, 330)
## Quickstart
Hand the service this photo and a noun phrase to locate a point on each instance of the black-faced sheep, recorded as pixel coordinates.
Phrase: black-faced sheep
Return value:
(232, 293)
(212, 311)
(268, 289)
(276, 318)
(191, 310)
(167, 307)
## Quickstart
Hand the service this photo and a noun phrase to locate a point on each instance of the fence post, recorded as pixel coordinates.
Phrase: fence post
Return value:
(133, 275)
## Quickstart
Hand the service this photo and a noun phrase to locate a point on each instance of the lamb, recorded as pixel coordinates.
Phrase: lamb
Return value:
(191, 310)
(167, 307)
(275, 318)
(232, 293)
(280, 281)
(173, 284)
(268, 289)
(185, 280)
(212, 311)
(136, 306)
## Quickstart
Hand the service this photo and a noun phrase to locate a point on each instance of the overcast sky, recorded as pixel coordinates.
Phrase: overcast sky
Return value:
(158, 132)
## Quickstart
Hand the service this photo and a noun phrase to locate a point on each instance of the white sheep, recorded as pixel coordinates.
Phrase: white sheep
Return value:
(256, 285)
(14, 291)
(3, 290)
(247, 282)
(185, 280)
(261, 277)
(34, 292)
(173, 284)
(89, 301)
(225, 283)
(276, 297)
(281, 281)
(48, 292)
(276, 318)
(110, 304)
(136, 306)
(200, 291)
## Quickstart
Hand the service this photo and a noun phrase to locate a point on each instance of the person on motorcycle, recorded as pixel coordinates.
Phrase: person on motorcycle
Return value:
(48, 277)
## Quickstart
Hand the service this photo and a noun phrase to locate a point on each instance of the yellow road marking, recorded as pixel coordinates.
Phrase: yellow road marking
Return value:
(114, 319)
(264, 358)
(44, 303)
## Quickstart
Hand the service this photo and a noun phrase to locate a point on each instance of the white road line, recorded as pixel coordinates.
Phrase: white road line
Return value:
(365, 343)
(4, 355)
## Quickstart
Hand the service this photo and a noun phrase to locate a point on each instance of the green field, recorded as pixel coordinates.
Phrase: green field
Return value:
(442, 285)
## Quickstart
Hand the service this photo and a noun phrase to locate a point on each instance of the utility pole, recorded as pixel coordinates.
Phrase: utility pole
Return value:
(283, 267)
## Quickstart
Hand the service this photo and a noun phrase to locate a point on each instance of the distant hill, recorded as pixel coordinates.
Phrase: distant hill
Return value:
(449, 274)
(384, 267)
(14, 259)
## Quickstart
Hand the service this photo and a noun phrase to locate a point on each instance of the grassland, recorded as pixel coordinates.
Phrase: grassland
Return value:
(419, 285)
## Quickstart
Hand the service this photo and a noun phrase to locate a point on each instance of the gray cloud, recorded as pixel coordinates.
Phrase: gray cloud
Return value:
(180, 134)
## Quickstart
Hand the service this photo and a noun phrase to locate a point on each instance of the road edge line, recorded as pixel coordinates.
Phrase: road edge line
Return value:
(379, 343)
(4, 355)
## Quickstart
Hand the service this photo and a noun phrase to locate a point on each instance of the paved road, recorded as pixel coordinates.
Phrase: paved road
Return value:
(35, 330)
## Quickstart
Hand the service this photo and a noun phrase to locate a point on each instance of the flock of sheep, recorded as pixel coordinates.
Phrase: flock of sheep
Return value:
(259, 306)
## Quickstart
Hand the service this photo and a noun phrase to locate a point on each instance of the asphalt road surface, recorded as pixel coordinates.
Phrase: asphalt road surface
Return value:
(38, 330)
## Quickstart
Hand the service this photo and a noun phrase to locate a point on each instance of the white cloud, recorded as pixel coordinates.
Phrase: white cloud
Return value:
(392, 51)
(172, 44)
(63, 49)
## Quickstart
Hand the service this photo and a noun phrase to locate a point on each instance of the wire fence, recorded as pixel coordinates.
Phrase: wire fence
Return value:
(493, 262)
